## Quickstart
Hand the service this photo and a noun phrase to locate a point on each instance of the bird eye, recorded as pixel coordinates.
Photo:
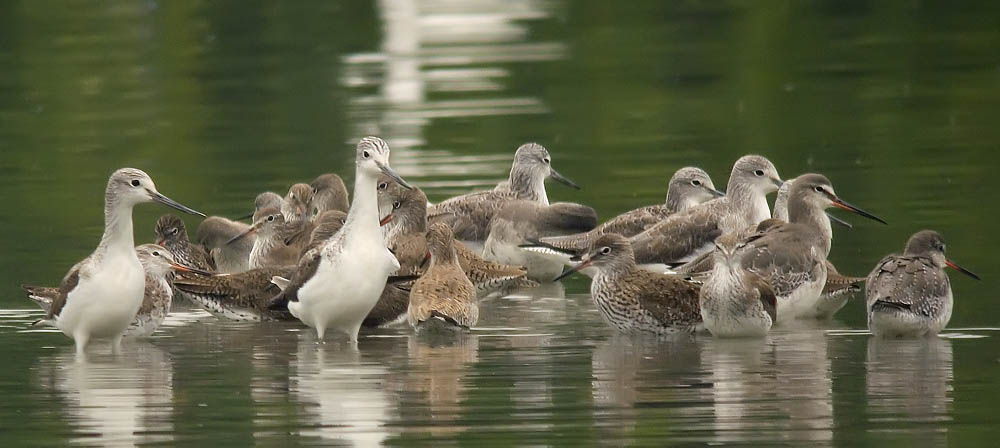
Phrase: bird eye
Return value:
(395, 205)
(365, 154)
(270, 218)
(156, 254)
(818, 189)
(383, 185)
(759, 172)
(547, 160)
(135, 182)
(174, 231)
(315, 190)
(605, 250)
(696, 182)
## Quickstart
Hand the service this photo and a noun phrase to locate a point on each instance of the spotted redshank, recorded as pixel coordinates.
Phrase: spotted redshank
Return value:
(100, 295)
(469, 215)
(734, 301)
(355, 256)
(632, 299)
(443, 293)
(909, 295)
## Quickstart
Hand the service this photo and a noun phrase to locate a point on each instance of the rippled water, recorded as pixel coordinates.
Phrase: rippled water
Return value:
(895, 102)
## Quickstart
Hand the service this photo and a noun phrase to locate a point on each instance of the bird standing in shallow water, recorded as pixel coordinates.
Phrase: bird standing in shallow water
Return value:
(909, 295)
(632, 299)
(354, 264)
(100, 295)
(735, 302)
(469, 215)
(443, 292)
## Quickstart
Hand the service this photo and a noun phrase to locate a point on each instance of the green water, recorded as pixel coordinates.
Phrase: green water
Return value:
(896, 102)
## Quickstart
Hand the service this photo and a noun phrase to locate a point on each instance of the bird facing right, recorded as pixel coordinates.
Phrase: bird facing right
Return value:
(909, 295)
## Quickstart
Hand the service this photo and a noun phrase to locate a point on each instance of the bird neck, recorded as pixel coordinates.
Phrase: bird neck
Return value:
(799, 212)
(363, 216)
(528, 185)
(748, 202)
(444, 256)
(117, 226)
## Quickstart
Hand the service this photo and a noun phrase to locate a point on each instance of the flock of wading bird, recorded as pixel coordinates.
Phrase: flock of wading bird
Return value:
(704, 259)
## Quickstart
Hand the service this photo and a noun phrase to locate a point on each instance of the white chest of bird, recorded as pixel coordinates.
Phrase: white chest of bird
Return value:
(105, 301)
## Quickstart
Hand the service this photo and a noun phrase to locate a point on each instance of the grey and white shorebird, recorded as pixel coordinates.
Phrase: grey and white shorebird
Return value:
(406, 236)
(443, 293)
(101, 294)
(171, 233)
(734, 301)
(158, 266)
(791, 256)
(909, 295)
(469, 215)
(270, 248)
(684, 236)
(215, 232)
(521, 223)
(329, 193)
(689, 186)
(632, 299)
(355, 264)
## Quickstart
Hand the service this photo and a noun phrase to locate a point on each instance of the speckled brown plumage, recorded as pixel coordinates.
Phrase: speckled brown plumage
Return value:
(242, 296)
(443, 291)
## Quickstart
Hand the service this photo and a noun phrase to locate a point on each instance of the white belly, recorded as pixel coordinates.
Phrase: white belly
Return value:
(541, 267)
(801, 303)
(103, 305)
(884, 324)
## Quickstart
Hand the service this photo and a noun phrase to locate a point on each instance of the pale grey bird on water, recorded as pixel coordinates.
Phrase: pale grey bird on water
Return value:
(909, 295)
(734, 301)
(520, 223)
(443, 293)
(213, 234)
(688, 187)
(684, 236)
(781, 206)
(158, 265)
(100, 295)
(269, 248)
(791, 256)
(631, 299)
(469, 215)
(355, 256)
(329, 193)
(171, 233)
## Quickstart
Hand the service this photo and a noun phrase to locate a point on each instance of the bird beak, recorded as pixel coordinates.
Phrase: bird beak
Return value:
(161, 243)
(563, 180)
(585, 261)
(395, 177)
(385, 220)
(715, 193)
(839, 221)
(182, 268)
(953, 265)
(247, 216)
(777, 182)
(157, 197)
(837, 202)
(252, 229)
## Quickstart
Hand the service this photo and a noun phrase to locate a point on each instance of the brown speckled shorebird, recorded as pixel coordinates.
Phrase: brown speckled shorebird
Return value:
(242, 296)
(406, 237)
(444, 293)
(688, 187)
(735, 302)
(158, 265)
(171, 233)
(101, 294)
(264, 200)
(632, 299)
(684, 236)
(295, 205)
(909, 295)
(329, 193)
(214, 232)
(469, 215)
(270, 248)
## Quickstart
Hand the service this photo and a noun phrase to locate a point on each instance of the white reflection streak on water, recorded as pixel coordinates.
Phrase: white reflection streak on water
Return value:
(431, 46)
(910, 381)
(772, 389)
(351, 403)
(115, 401)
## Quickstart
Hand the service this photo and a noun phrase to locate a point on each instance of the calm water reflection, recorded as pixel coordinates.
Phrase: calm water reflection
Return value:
(896, 103)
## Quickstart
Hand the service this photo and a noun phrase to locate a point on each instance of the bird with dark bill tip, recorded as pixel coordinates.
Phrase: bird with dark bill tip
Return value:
(171, 233)
(469, 215)
(158, 265)
(215, 232)
(684, 236)
(443, 294)
(735, 302)
(101, 294)
(329, 193)
(355, 264)
(631, 299)
(909, 295)
(791, 256)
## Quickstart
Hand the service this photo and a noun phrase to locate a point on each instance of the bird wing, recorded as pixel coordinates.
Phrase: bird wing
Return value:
(304, 271)
(481, 271)
(670, 299)
(781, 259)
(451, 296)
(411, 251)
(634, 222)
(69, 283)
(907, 281)
(679, 238)
(43, 296)
(251, 289)
(469, 215)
